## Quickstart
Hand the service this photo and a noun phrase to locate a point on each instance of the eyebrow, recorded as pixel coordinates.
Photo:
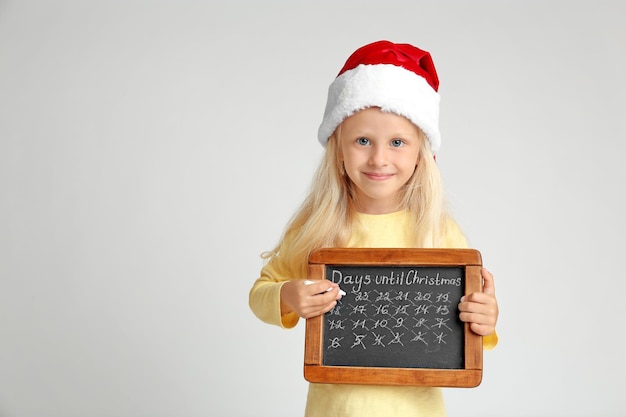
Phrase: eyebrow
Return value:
(396, 134)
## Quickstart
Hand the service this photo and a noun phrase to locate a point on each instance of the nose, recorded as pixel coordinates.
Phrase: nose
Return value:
(378, 156)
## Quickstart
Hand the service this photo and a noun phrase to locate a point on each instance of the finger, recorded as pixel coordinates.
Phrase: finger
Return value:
(478, 317)
(467, 301)
(488, 284)
(316, 287)
(481, 329)
(320, 289)
(316, 311)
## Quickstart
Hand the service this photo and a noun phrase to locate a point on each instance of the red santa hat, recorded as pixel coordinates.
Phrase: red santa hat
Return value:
(398, 78)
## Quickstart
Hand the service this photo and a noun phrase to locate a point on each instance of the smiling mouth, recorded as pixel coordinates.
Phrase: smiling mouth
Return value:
(376, 176)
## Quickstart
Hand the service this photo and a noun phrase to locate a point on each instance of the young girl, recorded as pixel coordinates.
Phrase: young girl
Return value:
(378, 185)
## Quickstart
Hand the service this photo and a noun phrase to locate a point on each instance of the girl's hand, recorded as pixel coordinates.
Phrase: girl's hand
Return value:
(308, 300)
(480, 309)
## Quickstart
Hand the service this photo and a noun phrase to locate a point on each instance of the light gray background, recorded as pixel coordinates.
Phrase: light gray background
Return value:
(150, 151)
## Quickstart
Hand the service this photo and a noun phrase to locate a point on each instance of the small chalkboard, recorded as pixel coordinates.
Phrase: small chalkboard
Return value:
(398, 323)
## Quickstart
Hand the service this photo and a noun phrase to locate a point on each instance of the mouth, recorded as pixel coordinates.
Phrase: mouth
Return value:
(377, 176)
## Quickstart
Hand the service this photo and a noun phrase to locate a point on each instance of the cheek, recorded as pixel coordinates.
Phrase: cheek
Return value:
(349, 158)
(417, 159)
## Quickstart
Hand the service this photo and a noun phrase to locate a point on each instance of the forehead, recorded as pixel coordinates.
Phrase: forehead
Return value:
(376, 121)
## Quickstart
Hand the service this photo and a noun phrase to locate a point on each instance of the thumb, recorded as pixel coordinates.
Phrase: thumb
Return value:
(488, 285)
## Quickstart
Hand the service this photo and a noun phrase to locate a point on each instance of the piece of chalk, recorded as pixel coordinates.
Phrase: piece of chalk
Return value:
(309, 282)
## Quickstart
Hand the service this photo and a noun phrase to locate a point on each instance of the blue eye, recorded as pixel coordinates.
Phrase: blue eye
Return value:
(396, 143)
(363, 141)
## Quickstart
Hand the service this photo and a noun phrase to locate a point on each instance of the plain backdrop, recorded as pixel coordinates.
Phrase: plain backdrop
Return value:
(151, 150)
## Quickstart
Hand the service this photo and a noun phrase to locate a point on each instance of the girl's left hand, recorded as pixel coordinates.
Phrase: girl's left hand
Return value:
(480, 309)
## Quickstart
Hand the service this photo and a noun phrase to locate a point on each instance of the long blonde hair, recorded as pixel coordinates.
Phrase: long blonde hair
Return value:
(326, 216)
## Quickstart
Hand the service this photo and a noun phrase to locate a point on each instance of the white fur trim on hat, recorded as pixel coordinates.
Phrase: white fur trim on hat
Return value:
(390, 87)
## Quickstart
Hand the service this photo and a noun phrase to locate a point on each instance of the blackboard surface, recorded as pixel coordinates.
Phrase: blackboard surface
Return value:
(398, 323)
(395, 316)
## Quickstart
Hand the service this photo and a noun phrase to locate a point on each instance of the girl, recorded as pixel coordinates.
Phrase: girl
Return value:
(377, 186)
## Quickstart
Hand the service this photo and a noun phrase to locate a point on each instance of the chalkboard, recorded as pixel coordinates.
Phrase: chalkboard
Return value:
(398, 322)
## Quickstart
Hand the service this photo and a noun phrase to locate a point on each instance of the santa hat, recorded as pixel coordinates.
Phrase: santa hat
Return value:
(398, 78)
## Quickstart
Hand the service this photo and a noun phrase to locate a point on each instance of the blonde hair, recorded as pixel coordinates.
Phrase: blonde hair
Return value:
(326, 216)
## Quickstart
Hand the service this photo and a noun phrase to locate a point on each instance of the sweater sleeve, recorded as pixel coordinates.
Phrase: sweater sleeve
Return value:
(264, 296)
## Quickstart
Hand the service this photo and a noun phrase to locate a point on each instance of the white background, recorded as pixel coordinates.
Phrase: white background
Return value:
(150, 151)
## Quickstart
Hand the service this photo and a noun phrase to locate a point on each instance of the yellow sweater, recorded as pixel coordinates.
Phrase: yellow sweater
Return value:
(345, 400)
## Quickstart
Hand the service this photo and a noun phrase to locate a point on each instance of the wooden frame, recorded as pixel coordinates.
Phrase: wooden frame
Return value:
(469, 376)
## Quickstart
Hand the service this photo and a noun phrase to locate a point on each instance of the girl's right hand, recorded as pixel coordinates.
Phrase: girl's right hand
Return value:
(308, 298)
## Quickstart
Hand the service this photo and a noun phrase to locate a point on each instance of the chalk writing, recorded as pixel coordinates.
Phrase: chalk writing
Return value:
(395, 316)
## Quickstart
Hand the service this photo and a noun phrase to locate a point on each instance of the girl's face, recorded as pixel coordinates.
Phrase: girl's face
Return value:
(379, 151)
